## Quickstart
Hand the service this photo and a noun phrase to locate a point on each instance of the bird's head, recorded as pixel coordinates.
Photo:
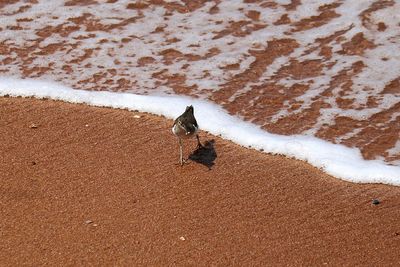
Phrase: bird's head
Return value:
(189, 109)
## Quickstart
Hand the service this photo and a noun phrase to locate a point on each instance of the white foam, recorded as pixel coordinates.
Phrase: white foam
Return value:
(195, 32)
(337, 160)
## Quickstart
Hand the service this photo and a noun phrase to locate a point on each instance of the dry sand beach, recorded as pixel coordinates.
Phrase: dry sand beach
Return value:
(96, 186)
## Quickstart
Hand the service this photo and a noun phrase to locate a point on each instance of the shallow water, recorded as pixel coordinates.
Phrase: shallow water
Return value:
(330, 69)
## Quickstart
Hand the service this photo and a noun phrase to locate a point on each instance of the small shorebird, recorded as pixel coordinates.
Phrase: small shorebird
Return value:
(185, 126)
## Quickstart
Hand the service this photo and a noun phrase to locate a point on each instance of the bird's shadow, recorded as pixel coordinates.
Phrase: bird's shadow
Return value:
(205, 154)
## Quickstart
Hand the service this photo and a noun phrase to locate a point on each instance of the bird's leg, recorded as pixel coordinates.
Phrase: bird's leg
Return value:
(199, 145)
(180, 152)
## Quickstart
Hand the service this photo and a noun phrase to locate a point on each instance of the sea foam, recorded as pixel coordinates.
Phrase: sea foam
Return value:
(337, 160)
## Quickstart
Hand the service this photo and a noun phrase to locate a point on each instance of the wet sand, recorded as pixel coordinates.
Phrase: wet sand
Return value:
(96, 186)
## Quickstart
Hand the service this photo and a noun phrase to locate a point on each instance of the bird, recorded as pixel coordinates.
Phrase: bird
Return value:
(185, 126)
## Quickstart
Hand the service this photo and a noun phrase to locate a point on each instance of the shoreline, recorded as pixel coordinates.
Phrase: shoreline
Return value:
(342, 162)
(88, 185)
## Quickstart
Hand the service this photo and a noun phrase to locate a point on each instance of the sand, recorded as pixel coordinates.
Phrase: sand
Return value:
(97, 186)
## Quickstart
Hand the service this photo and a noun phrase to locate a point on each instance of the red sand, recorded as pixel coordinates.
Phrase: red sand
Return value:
(96, 186)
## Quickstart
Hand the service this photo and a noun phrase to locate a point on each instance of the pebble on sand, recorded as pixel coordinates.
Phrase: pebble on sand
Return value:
(376, 201)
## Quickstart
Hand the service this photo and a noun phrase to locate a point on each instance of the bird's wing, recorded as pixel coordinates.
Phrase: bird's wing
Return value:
(190, 128)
